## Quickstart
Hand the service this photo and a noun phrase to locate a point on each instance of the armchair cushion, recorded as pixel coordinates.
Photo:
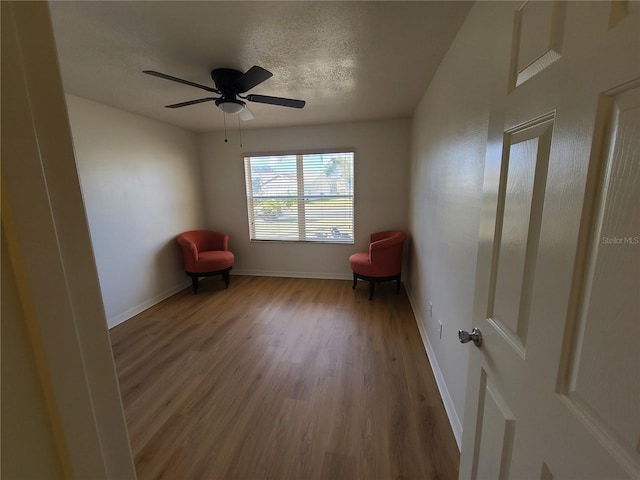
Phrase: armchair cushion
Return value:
(212, 261)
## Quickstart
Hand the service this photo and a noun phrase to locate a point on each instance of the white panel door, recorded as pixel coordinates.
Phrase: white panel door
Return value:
(554, 388)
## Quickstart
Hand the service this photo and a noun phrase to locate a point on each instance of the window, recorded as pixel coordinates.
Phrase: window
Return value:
(303, 197)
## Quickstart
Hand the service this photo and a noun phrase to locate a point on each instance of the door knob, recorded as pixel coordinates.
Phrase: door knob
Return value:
(475, 336)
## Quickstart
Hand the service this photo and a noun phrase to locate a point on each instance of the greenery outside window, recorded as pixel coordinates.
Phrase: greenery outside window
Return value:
(300, 197)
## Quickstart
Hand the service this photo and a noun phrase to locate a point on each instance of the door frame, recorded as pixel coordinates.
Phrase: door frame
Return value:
(50, 250)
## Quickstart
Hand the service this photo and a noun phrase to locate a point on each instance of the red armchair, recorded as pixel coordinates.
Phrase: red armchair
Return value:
(206, 253)
(383, 261)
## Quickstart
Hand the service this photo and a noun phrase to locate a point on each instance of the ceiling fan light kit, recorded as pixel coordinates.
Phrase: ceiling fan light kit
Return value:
(231, 107)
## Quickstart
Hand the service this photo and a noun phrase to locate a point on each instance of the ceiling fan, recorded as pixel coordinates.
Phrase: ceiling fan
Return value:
(230, 84)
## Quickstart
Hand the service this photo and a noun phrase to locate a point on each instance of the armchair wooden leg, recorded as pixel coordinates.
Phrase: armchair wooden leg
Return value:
(373, 280)
(196, 276)
(225, 277)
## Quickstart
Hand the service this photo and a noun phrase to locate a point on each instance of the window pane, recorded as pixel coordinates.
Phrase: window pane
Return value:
(329, 219)
(274, 176)
(328, 191)
(301, 197)
(328, 174)
(276, 218)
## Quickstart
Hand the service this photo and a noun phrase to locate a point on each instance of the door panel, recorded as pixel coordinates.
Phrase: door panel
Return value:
(520, 202)
(553, 391)
(602, 392)
(496, 429)
(537, 40)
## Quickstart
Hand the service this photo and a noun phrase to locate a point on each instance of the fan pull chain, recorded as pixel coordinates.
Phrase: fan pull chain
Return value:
(240, 131)
(224, 117)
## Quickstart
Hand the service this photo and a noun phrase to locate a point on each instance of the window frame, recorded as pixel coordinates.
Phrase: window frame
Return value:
(299, 198)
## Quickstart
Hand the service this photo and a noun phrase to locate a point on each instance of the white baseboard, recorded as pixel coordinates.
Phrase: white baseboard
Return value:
(449, 407)
(273, 273)
(132, 312)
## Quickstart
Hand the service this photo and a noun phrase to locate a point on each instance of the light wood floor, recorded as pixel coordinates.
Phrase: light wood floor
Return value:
(281, 378)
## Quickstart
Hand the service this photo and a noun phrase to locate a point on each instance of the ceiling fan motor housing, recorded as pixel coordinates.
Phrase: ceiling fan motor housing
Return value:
(225, 80)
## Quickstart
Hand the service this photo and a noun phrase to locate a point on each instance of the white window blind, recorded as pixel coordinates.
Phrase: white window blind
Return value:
(304, 197)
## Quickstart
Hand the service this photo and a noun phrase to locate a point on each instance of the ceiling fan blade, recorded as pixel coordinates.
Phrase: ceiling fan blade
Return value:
(190, 102)
(180, 80)
(246, 115)
(284, 102)
(254, 76)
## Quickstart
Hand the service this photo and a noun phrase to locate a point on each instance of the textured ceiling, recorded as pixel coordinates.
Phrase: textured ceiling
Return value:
(350, 61)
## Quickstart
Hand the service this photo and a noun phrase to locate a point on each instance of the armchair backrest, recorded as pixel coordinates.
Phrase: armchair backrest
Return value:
(385, 253)
(197, 241)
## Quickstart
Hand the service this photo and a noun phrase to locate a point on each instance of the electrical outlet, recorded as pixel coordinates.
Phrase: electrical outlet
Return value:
(440, 324)
(430, 309)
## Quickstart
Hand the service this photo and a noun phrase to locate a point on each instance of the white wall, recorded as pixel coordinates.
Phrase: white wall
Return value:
(141, 186)
(449, 134)
(381, 179)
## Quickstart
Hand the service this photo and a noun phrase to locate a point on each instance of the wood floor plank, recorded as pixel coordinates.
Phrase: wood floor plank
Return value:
(281, 378)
